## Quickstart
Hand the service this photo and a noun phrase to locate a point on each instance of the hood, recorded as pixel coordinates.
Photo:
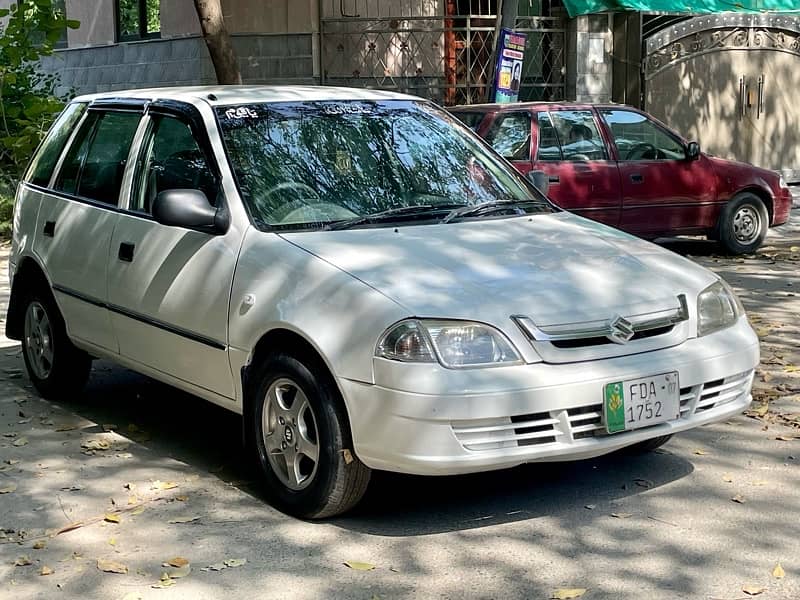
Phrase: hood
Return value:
(555, 268)
(742, 172)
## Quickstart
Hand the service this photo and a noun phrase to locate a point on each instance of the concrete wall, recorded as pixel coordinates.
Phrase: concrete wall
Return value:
(277, 59)
(178, 18)
(97, 19)
(589, 76)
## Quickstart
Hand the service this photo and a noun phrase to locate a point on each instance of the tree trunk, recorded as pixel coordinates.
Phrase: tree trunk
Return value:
(218, 41)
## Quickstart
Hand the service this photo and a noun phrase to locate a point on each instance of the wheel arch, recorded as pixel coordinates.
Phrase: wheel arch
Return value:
(29, 275)
(763, 194)
(284, 339)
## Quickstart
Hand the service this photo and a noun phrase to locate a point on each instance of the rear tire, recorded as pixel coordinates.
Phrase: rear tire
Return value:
(743, 224)
(298, 432)
(648, 445)
(55, 366)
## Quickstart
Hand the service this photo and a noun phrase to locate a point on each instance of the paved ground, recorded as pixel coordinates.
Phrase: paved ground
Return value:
(167, 467)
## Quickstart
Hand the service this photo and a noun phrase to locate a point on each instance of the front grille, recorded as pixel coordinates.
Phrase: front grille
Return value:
(599, 341)
(582, 422)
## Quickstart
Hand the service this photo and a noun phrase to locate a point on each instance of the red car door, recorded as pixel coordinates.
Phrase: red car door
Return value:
(663, 191)
(571, 149)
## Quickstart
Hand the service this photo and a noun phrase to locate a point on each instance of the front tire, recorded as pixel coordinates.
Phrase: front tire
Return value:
(648, 445)
(299, 435)
(55, 366)
(743, 224)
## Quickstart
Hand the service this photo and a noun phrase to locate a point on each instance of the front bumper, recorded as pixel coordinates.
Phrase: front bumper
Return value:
(782, 207)
(427, 420)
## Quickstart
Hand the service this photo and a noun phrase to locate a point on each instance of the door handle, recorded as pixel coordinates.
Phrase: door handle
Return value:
(49, 228)
(637, 178)
(553, 179)
(126, 251)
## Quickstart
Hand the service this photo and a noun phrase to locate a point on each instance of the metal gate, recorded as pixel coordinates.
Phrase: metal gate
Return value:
(439, 49)
(730, 81)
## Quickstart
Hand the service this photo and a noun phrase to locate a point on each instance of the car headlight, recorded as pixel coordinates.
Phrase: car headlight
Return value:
(455, 344)
(717, 308)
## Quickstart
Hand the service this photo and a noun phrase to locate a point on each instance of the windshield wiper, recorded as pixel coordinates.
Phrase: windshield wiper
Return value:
(491, 206)
(394, 213)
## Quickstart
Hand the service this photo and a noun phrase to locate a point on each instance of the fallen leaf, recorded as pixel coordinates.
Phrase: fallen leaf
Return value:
(8, 488)
(112, 541)
(235, 562)
(132, 596)
(20, 442)
(178, 561)
(65, 427)
(785, 438)
(359, 566)
(758, 483)
(727, 478)
(739, 499)
(164, 583)
(12, 461)
(96, 445)
(215, 567)
(138, 510)
(23, 561)
(163, 485)
(109, 427)
(24, 421)
(181, 498)
(567, 593)
(621, 515)
(111, 518)
(700, 452)
(183, 520)
(590, 506)
(72, 488)
(753, 590)
(40, 545)
(45, 570)
(109, 566)
(778, 572)
(791, 368)
(179, 572)
(645, 483)
(348, 456)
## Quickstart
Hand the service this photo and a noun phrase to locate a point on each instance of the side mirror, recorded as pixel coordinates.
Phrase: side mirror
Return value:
(539, 180)
(692, 151)
(190, 209)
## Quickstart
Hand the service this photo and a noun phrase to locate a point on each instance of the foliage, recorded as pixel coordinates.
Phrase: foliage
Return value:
(28, 103)
(129, 11)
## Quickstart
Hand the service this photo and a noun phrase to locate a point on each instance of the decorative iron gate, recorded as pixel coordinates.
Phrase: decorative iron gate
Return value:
(730, 80)
(439, 49)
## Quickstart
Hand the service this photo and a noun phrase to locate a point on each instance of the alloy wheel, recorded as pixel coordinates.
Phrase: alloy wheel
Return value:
(290, 434)
(38, 340)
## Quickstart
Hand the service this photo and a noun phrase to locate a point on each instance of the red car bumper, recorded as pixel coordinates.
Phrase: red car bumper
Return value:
(782, 208)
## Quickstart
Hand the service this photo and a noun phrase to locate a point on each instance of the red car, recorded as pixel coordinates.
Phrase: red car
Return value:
(620, 166)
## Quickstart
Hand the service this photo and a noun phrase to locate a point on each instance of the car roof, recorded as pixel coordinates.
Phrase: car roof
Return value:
(496, 107)
(219, 95)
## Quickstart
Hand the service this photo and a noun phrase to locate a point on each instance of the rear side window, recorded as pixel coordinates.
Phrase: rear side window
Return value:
(95, 163)
(549, 146)
(510, 136)
(45, 160)
(470, 118)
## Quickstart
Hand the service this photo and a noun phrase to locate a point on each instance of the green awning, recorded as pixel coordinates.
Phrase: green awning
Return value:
(701, 7)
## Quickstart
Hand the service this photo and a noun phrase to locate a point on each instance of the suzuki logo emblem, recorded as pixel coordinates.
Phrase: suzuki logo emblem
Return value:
(621, 330)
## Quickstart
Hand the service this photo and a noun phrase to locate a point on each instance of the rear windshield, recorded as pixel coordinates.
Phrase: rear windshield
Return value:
(470, 118)
(45, 159)
(315, 163)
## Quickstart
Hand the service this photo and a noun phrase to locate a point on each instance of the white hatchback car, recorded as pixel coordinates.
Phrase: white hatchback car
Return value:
(364, 281)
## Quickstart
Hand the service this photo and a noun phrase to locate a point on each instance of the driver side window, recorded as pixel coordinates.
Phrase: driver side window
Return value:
(638, 138)
(171, 159)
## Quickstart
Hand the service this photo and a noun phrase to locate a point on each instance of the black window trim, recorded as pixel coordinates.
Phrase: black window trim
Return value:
(191, 117)
(539, 138)
(56, 166)
(651, 120)
(142, 25)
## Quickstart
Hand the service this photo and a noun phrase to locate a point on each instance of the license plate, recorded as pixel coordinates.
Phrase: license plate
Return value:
(641, 402)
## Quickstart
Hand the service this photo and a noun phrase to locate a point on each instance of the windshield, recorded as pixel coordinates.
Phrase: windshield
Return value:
(314, 164)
